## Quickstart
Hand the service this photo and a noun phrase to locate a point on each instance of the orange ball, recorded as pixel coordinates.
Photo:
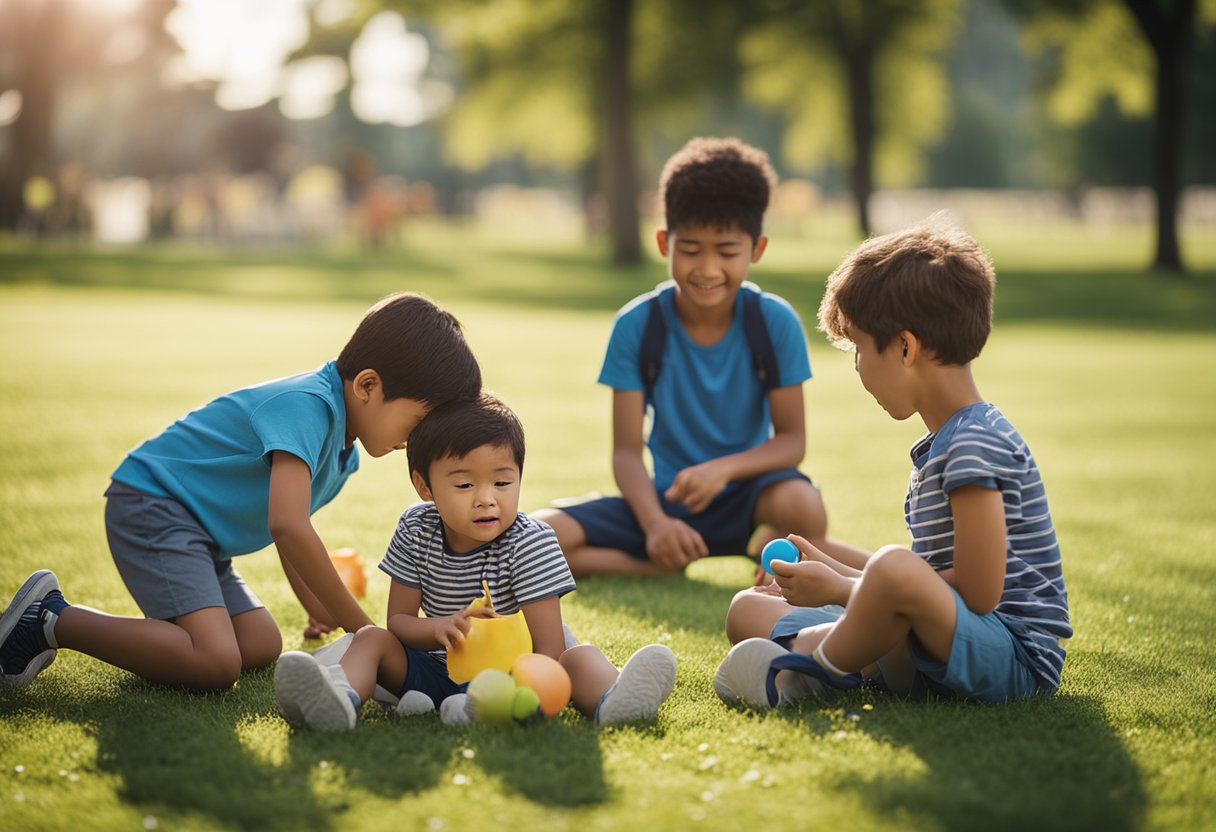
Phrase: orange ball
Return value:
(545, 676)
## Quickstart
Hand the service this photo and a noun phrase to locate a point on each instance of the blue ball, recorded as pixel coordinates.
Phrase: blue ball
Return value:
(780, 549)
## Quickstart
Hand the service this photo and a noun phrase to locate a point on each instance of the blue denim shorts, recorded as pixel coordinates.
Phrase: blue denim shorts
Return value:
(170, 564)
(986, 662)
(726, 524)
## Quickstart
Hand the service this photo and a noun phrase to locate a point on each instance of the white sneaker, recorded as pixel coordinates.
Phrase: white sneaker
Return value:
(645, 683)
(742, 678)
(414, 702)
(310, 696)
(332, 653)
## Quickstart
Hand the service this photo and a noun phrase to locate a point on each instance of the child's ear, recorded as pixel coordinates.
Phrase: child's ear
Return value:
(660, 237)
(759, 247)
(909, 346)
(420, 487)
(365, 382)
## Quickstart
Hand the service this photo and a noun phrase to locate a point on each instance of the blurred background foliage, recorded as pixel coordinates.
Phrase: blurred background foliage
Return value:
(288, 120)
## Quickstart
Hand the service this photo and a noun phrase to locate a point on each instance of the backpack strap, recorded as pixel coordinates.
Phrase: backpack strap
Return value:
(650, 353)
(764, 358)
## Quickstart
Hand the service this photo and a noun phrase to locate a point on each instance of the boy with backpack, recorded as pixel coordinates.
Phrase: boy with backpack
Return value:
(718, 366)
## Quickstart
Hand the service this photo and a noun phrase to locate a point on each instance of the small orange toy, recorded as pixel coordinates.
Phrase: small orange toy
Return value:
(546, 677)
(350, 569)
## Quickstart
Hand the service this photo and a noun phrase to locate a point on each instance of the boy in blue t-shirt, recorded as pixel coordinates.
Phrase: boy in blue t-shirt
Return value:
(977, 606)
(466, 461)
(725, 443)
(239, 473)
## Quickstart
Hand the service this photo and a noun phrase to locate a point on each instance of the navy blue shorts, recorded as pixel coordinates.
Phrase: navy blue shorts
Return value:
(429, 675)
(726, 524)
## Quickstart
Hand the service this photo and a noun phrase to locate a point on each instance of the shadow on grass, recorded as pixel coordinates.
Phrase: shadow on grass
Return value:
(674, 602)
(1063, 755)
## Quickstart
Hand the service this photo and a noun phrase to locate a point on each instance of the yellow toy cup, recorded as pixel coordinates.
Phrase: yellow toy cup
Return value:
(491, 642)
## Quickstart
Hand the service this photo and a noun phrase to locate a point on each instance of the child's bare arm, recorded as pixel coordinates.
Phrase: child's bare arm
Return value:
(544, 619)
(404, 603)
(669, 541)
(979, 546)
(299, 545)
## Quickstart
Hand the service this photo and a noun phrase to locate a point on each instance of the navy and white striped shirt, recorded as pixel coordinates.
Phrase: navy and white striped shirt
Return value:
(522, 565)
(978, 446)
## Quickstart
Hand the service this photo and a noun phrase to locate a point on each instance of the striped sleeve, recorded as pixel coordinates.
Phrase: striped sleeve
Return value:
(401, 560)
(538, 567)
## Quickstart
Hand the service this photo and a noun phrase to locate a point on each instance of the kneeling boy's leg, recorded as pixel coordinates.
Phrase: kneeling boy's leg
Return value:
(602, 537)
(898, 594)
(257, 637)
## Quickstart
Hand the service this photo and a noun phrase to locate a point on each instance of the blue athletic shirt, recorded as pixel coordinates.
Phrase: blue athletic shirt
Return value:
(978, 446)
(708, 401)
(215, 460)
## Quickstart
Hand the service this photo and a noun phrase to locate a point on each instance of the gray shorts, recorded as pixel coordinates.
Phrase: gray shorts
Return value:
(171, 566)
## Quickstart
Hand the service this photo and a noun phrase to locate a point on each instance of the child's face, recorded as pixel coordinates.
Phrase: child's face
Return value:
(381, 426)
(477, 495)
(883, 374)
(707, 263)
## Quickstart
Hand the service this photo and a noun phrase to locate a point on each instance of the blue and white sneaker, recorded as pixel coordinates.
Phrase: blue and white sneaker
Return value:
(644, 684)
(27, 629)
(748, 676)
(313, 695)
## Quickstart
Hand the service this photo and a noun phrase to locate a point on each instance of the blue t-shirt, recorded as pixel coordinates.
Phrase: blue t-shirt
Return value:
(215, 461)
(708, 401)
(978, 446)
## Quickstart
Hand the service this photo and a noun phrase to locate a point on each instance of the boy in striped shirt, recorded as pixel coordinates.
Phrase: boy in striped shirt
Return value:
(977, 606)
(466, 462)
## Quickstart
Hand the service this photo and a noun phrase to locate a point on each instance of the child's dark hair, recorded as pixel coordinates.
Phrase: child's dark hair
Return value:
(717, 182)
(417, 348)
(933, 281)
(458, 428)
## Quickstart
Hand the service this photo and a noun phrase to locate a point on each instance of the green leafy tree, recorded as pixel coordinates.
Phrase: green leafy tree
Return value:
(861, 84)
(1138, 53)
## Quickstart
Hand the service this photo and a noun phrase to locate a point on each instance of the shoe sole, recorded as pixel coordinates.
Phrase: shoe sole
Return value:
(645, 682)
(306, 695)
(34, 589)
(742, 678)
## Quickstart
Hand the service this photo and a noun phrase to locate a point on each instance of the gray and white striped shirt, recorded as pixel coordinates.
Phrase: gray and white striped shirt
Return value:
(978, 446)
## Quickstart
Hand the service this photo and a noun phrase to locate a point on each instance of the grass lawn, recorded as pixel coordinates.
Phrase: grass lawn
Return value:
(1109, 373)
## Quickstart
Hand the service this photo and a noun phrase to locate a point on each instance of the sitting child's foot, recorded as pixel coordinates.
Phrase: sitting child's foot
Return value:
(414, 702)
(27, 629)
(751, 675)
(645, 683)
(314, 696)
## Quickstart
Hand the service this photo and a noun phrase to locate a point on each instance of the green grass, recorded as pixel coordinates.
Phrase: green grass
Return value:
(1109, 373)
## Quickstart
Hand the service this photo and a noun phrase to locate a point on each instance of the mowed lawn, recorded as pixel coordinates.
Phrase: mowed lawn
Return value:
(1108, 372)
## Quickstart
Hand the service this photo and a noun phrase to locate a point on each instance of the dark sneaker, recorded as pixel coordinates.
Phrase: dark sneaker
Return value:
(24, 647)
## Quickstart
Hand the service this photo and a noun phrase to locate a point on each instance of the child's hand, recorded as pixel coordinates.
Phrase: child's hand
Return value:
(697, 485)
(674, 544)
(810, 583)
(450, 630)
(317, 628)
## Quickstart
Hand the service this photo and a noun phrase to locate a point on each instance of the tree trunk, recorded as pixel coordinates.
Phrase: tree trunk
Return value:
(620, 180)
(1170, 37)
(859, 65)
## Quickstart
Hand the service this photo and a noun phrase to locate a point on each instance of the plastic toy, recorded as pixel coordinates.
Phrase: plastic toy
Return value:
(492, 696)
(779, 549)
(547, 678)
(350, 569)
(490, 643)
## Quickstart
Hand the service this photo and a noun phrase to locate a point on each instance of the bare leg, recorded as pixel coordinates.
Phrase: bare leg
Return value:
(591, 674)
(198, 650)
(797, 506)
(753, 613)
(375, 656)
(587, 560)
(898, 593)
(257, 637)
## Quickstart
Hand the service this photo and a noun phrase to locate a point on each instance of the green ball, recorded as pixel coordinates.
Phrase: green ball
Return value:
(492, 693)
(526, 705)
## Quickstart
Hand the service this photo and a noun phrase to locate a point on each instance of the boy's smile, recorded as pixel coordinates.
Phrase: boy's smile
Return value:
(477, 495)
(709, 264)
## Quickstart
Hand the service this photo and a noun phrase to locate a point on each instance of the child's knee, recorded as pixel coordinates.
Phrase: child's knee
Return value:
(893, 568)
(745, 610)
(793, 505)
